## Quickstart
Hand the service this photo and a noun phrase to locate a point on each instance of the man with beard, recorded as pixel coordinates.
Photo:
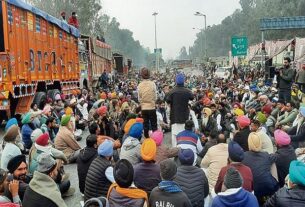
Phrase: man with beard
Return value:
(125, 111)
(50, 127)
(285, 77)
(209, 124)
(43, 190)
(161, 112)
(241, 136)
(107, 126)
(17, 168)
(217, 116)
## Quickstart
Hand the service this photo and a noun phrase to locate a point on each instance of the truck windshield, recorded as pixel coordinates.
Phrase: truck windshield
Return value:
(2, 48)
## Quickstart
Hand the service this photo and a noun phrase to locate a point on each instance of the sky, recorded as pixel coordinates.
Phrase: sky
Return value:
(175, 20)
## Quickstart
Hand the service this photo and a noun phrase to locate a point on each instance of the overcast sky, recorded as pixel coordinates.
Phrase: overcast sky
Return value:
(175, 20)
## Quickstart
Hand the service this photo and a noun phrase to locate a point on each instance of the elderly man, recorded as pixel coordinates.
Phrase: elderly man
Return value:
(43, 190)
(209, 124)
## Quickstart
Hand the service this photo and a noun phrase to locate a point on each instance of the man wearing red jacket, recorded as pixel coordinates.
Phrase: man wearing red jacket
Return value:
(73, 20)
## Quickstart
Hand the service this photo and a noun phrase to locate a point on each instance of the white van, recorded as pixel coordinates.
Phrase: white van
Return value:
(223, 72)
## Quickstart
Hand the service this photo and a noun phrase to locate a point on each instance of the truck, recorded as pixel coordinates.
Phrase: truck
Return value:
(121, 64)
(38, 57)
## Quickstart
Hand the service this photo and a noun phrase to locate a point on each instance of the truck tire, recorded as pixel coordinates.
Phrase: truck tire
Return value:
(40, 99)
(52, 93)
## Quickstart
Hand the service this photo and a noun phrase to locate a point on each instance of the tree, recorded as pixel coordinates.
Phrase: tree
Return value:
(183, 54)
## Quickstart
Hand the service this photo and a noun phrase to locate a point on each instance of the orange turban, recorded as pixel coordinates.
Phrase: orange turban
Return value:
(148, 149)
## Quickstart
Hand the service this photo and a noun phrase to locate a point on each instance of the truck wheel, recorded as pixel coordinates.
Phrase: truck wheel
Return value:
(52, 93)
(40, 99)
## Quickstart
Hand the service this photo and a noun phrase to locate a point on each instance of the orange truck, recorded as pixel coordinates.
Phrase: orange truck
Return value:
(38, 57)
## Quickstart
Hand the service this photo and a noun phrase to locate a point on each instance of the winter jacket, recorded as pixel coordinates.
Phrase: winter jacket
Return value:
(300, 77)
(260, 164)
(117, 200)
(42, 191)
(284, 155)
(159, 197)
(211, 126)
(96, 183)
(65, 142)
(235, 197)
(131, 150)
(215, 159)
(146, 176)
(267, 145)
(193, 183)
(298, 136)
(285, 80)
(244, 171)
(287, 197)
(210, 143)
(84, 160)
(288, 117)
(26, 132)
(241, 138)
(178, 99)
(74, 22)
(147, 94)
(10, 151)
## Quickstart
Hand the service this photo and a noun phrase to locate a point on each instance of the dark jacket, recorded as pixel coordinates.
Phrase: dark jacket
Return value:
(118, 200)
(178, 99)
(26, 132)
(285, 80)
(260, 164)
(284, 155)
(241, 198)
(241, 138)
(193, 183)
(34, 199)
(147, 176)
(287, 197)
(161, 198)
(297, 138)
(84, 160)
(97, 183)
(207, 146)
(211, 126)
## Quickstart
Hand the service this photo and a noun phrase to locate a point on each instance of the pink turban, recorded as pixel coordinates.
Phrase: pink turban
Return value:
(243, 121)
(157, 136)
(281, 137)
(46, 109)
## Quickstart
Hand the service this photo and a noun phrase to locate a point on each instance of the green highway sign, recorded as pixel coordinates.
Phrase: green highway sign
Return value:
(239, 46)
(158, 50)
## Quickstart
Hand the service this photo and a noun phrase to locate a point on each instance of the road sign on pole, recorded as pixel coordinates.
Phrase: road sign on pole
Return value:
(239, 46)
(158, 50)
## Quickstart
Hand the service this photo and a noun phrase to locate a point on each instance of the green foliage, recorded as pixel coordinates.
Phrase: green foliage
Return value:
(93, 22)
(246, 22)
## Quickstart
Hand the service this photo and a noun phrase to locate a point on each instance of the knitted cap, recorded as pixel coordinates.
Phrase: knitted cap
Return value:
(254, 142)
(232, 179)
(186, 156)
(105, 149)
(123, 173)
(148, 149)
(236, 153)
(45, 163)
(168, 169)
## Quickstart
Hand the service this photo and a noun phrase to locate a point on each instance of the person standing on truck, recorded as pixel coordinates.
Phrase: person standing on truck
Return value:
(147, 95)
(103, 80)
(73, 20)
(63, 16)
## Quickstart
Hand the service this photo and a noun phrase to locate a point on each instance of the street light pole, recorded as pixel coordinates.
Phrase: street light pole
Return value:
(156, 43)
(205, 33)
(201, 41)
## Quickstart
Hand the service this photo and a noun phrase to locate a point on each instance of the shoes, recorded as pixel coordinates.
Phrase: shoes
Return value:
(70, 192)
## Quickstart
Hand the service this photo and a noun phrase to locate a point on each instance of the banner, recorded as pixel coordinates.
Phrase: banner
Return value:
(273, 48)
(252, 51)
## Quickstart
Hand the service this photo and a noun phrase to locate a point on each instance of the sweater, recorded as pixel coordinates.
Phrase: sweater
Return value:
(147, 92)
(244, 171)
(235, 197)
(241, 138)
(131, 150)
(193, 183)
(42, 191)
(10, 150)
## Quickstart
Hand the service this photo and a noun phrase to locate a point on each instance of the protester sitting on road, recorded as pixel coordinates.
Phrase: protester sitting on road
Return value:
(147, 173)
(297, 132)
(46, 113)
(131, 148)
(43, 190)
(163, 152)
(121, 193)
(12, 186)
(85, 158)
(192, 180)
(17, 168)
(100, 173)
(233, 194)
(284, 155)
(293, 194)
(18, 141)
(241, 136)
(288, 117)
(236, 156)
(168, 192)
(267, 145)
(264, 180)
(65, 141)
(27, 129)
(11, 149)
(50, 126)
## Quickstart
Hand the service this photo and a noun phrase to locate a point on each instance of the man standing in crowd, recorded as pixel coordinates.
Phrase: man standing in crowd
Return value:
(285, 77)
(178, 99)
(147, 92)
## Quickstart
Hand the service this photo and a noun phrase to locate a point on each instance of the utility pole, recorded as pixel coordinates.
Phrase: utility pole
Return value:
(156, 43)
(205, 34)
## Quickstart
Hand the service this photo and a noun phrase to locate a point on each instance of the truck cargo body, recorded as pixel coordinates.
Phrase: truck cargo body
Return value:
(38, 53)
